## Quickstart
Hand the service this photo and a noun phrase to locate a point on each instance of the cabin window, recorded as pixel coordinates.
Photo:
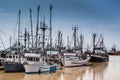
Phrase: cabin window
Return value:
(27, 59)
(37, 59)
(33, 59)
(16, 56)
(10, 56)
(30, 59)
(15, 52)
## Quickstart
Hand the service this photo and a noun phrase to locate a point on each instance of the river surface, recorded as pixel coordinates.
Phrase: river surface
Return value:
(97, 71)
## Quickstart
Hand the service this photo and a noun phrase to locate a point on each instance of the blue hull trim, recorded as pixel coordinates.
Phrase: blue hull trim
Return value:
(42, 72)
(32, 73)
(35, 72)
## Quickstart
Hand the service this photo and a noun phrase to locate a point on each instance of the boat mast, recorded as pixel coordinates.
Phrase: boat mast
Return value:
(38, 10)
(59, 40)
(25, 39)
(31, 26)
(81, 43)
(74, 35)
(28, 40)
(10, 42)
(51, 7)
(102, 42)
(68, 42)
(43, 28)
(19, 35)
(94, 45)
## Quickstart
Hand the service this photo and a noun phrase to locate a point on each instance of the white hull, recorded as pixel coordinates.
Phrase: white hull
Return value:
(37, 65)
(72, 63)
(36, 68)
(71, 60)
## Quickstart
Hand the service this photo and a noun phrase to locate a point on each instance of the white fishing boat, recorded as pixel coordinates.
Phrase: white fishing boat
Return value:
(75, 57)
(33, 63)
(41, 62)
(40, 67)
(72, 60)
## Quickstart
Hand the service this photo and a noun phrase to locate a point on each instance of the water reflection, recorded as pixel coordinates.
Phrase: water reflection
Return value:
(76, 73)
(94, 72)
(11, 76)
(97, 71)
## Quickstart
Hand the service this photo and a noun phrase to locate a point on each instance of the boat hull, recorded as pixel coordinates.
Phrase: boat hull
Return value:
(32, 68)
(29, 69)
(75, 63)
(96, 58)
(0, 63)
(13, 67)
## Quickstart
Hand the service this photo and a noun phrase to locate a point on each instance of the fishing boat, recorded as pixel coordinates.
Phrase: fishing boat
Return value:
(40, 67)
(99, 53)
(14, 57)
(41, 63)
(75, 57)
(72, 60)
(12, 64)
(113, 51)
(32, 63)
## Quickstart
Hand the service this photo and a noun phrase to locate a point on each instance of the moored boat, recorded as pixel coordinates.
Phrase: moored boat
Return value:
(12, 64)
(99, 53)
(40, 68)
(100, 56)
(75, 57)
(72, 60)
(13, 67)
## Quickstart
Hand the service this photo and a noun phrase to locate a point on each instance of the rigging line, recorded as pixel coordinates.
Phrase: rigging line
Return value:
(2, 42)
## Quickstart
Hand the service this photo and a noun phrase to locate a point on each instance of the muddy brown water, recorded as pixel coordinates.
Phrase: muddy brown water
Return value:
(97, 71)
